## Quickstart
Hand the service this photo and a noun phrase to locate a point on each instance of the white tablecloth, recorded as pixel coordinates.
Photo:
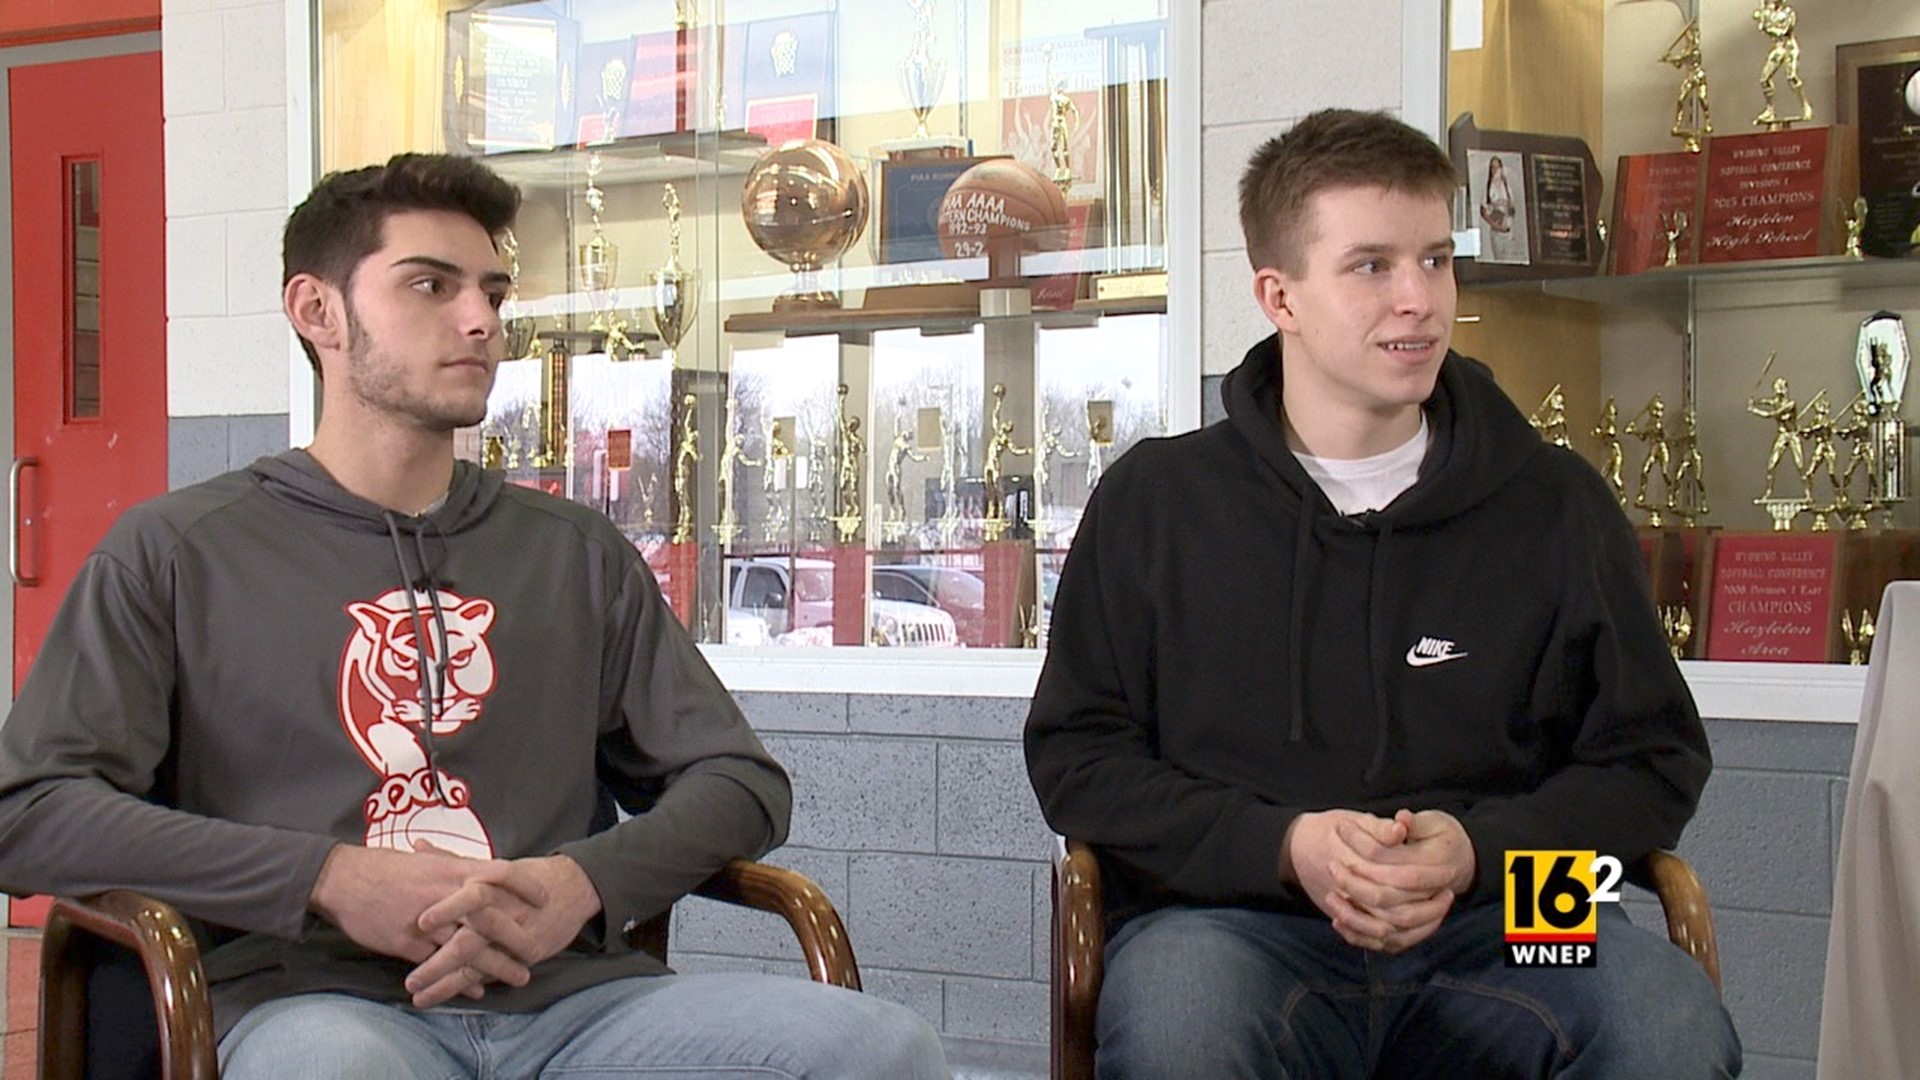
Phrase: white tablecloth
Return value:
(1870, 1022)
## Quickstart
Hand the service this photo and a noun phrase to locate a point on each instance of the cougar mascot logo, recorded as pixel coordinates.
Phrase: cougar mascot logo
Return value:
(380, 707)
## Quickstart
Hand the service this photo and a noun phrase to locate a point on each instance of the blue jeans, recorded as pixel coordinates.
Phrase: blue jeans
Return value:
(1228, 992)
(708, 1027)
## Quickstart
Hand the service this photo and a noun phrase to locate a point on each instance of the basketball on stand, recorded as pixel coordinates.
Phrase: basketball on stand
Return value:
(999, 209)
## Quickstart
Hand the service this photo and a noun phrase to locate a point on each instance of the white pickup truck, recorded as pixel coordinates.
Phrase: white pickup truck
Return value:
(795, 598)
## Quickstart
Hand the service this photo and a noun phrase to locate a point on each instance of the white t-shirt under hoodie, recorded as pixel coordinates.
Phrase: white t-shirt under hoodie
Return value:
(1355, 485)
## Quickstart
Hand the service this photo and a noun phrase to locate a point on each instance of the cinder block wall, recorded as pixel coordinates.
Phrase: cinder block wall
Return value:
(915, 815)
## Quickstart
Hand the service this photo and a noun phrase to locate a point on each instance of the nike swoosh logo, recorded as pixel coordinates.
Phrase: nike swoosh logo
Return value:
(1414, 659)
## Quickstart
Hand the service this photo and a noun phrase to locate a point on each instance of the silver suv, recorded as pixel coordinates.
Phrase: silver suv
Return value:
(795, 598)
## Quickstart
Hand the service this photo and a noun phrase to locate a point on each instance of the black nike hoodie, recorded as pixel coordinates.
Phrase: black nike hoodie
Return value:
(1228, 651)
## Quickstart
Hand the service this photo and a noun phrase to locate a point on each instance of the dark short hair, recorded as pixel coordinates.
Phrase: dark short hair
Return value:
(1333, 148)
(344, 218)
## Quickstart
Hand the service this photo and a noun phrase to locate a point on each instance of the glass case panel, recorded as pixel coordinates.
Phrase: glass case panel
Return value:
(1729, 358)
(836, 309)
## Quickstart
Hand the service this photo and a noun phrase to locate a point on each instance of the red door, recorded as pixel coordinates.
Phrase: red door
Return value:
(89, 272)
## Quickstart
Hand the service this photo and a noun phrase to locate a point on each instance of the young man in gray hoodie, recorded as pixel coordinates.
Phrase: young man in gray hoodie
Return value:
(365, 713)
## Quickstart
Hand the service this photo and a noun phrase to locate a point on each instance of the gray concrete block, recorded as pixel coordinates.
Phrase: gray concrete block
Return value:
(1645, 913)
(1773, 967)
(924, 994)
(1043, 922)
(859, 794)
(709, 926)
(196, 449)
(1212, 408)
(254, 436)
(1781, 746)
(1769, 1067)
(997, 1009)
(953, 717)
(1837, 813)
(987, 806)
(794, 712)
(1760, 842)
(961, 916)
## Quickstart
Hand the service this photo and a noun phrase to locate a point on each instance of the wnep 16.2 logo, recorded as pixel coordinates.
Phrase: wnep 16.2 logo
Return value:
(1552, 900)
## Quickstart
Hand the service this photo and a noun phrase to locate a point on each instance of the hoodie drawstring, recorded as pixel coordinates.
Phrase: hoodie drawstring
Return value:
(1305, 559)
(432, 672)
(1379, 589)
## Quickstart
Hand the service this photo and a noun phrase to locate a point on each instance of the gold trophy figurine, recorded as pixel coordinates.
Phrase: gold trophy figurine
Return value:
(902, 452)
(685, 457)
(850, 453)
(1862, 454)
(599, 264)
(673, 291)
(733, 453)
(1099, 437)
(1859, 635)
(1780, 408)
(1677, 621)
(994, 515)
(1692, 118)
(1817, 430)
(1550, 419)
(1653, 432)
(923, 75)
(1856, 224)
(1776, 20)
(1063, 117)
(1607, 430)
(1673, 226)
(777, 478)
(1048, 446)
(1688, 495)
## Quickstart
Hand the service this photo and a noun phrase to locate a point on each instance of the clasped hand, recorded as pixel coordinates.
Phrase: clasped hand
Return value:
(1386, 883)
(463, 922)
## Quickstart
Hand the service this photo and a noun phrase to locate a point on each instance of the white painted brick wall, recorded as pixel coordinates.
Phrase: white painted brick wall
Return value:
(224, 81)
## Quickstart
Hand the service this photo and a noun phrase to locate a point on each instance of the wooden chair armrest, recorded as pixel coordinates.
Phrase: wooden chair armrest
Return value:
(155, 933)
(822, 936)
(1078, 948)
(1689, 919)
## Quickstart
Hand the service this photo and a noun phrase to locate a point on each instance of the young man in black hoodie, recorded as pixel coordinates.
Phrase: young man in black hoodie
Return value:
(366, 712)
(1316, 669)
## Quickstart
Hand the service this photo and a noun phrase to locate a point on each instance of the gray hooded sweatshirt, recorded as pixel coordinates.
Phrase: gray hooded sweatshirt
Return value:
(251, 670)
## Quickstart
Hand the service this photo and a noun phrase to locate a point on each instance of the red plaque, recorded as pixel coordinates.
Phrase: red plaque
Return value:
(1649, 190)
(1771, 596)
(1776, 194)
(852, 569)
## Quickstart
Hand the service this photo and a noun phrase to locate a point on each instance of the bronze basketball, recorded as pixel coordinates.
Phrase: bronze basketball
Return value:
(998, 209)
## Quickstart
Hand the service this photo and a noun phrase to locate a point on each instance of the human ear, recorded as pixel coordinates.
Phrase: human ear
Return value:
(316, 311)
(1271, 290)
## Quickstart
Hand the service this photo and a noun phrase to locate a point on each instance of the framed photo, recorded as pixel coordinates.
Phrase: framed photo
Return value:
(1877, 84)
(1497, 197)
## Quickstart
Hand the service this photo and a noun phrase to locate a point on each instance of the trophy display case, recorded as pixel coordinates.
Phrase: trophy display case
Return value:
(837, 308)
(1728, 339)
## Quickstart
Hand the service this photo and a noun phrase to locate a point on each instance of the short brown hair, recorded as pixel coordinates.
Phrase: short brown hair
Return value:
(344, 219)
(1333, 148)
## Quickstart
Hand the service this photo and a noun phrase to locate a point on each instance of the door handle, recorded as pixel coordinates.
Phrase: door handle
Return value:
(20, 465)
